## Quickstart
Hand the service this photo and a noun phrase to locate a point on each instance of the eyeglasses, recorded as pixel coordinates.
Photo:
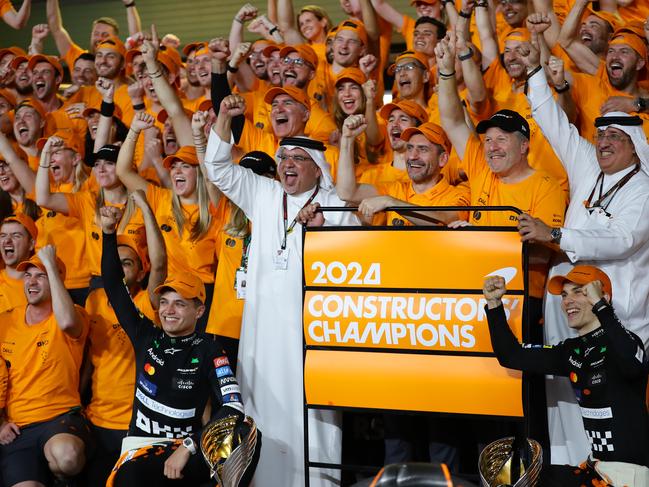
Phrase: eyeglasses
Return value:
(406, 67)
(296, 158)
(614, 137)
(298, 61)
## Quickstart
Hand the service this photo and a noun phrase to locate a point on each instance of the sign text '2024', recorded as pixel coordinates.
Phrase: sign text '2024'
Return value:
(353, 273)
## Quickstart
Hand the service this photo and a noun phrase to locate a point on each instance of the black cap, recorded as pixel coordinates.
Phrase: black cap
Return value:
(507, 120)
(108, 153)
(260, 163)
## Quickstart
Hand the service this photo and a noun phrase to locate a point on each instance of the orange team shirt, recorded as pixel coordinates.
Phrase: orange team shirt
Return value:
(227, 310)
(383, 173)
(638, 11)
(442, 194)
(73, 53)
(541, 156)
(192, 104)
(538, 195)
(318, 86)
(82, 207)
(12, 292)
(184, 254)
(45, 362)
(408, 31)
(113, 359)
(4, 378)
(93, 98)
(60, 121)
(589, 93)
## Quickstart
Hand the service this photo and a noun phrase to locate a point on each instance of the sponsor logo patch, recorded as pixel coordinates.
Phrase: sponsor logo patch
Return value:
(223, 371)
(221, 361)
(147, 385)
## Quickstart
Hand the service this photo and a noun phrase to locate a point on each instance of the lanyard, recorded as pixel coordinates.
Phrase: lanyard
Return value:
(244, 254)
(289, 229)
(611, 192)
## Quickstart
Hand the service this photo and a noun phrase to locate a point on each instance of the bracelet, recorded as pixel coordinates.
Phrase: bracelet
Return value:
(129, 5)
(482, 5)
(238, 20)
(534, 71)
(155, 74)
(44, 167)
(136, 132)
(139, 106)
(466, 15)
(200, 148)
(564, 88)
(231, 69)
(107, 109)
(273, 30)
(446, 76)
(468, 55)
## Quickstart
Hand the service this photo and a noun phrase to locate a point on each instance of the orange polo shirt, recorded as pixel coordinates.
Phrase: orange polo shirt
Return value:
(182, 253)
(441, 194)
(541, 156)
(73, 53)
(12, 292)
(45, 362)
(4, 379)
(383, 173)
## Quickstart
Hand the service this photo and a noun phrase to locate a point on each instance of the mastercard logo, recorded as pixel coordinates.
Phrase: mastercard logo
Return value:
(149, 369)
(573, 376)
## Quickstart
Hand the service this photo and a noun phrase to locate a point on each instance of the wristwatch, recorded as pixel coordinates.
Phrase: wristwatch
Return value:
(190, 445)
(641, 104)
(555, 233)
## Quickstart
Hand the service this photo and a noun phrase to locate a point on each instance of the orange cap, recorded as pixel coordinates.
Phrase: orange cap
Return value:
(39, 58)
(581, 274)
(192, 46)
(298, 94)
(168, 62)
(351, 74)
(202, 50)
(117, 113)
(332, 32)
(632, 40)
(9, 96)
(614, 20)
(127, 241)
(187, 153)
(355, 26)
(112, 43)
(427, 2)
(70, 141)
(520, 34)
(305, 51)
(172, 54)
(163, 116)
(36, 262)
(25, 221)
(409, 107)
(271, 48)
(433, 132)
(17, 61)
(130, 54)
(418, 56)
(15, 50)
(205, 105)
(189, 286)
(33, 103)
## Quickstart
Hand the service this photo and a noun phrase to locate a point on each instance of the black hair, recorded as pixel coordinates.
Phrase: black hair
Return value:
(441, 28)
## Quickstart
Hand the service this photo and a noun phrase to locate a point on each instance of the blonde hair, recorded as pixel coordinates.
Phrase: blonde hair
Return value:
(80, 176)
(339, 118)
(100, 201)
(202, 225)
(319, 13)
(238, 225)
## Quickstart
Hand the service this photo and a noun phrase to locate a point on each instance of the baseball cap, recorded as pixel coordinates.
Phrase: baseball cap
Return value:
(427, 2)
(36, 262)
(409, 107)
(8, 95)
(305, 51)
(355, 26)
(351, 74)
(520, 34)
(614, 20)
(193, 46)
(297, 94)
(127, 241)
(15, 50)
(271, 48)
(52, 60)
(112, 43)
(581, 274)
(168, 62)
(507, 120)
(260, 163)
(32, 103)
(187, 153)
(163, 115)
(189, 286)
(418, 56)
(128, 60)
(17, 61)
(25, 221)
(70, 141)
(433, 132)
(108, 152)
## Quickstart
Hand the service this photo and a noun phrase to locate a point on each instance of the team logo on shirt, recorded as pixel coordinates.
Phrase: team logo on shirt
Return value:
(172, 351)
(182, 384)
(227, 380)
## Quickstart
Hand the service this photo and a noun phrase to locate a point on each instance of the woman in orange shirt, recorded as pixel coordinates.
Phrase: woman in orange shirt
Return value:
(19, 192)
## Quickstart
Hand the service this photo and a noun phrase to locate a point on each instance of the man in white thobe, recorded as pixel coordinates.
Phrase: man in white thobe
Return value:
(606, 225)
(270, 369)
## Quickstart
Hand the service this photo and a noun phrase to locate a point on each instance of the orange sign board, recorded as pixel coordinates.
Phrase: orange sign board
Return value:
(402, 307)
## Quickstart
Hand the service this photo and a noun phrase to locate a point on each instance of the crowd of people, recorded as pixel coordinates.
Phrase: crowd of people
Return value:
(153, 194)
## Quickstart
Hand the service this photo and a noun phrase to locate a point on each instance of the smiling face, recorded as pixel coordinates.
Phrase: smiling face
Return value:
(287, 117)
(296, 71)
(131, 265)
(108, 63)
(203, 67)
(16, 245)
(5, 106)
(505, 151)
(297, 171)
(183, 178)
(28, 126)
(348, 48)
(36, 285)
(514, 64)
(594, 34)
(257, 60)
(310, 27)
(349, 96)
(622, 66)
(8, 181)
(410, 77)
(274, 68)
(178, 315)
(398, 121)
(84, 73)
(425, 39)
(514, 11)
(105, 174)
(425, 159)
(101, 32)
(23, 79)
(615, 150)
(578, 309)
(169, 142)
(62, 165)
(45, 81)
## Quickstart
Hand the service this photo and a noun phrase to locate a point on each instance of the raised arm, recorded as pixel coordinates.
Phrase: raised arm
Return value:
(68, 319)
(373, 132)
(44, 196)
(371, 23)
(220, 87)
(132, 17)
(61, 37)
(39, 33)
(487, 34)
(450, 108)
(18, 20)
(199, 120)
(106, 88)
(20, 168)
(126, 172)
(286, 22)
(473, 80)
(346, 186)
(388, 13)
(585, 59)
(245, 13)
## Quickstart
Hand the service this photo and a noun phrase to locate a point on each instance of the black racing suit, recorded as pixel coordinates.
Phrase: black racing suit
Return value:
(175, 376)
(607, 369)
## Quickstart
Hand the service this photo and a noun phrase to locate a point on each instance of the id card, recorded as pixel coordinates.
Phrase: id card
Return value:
(280, 260)
(240, 283)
